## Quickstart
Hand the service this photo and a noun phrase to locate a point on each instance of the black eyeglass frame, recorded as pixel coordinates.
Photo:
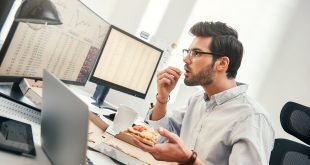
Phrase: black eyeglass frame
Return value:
(195, 53)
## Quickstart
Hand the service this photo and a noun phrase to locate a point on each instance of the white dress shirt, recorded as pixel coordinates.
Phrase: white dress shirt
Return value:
(229, 128)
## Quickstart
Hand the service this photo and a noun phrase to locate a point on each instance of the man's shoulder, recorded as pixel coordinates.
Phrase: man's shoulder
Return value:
(248, 110)
(251, 107)
(255, 106)
(245, 105)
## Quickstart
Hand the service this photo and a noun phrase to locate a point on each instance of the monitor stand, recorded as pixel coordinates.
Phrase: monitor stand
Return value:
(99, 96)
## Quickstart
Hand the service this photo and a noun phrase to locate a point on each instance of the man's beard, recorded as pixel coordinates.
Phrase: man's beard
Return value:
(204, 77)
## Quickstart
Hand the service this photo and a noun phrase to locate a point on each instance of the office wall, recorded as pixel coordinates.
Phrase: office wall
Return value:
(173, 23)
(104, 8)
(124, 14)
(288, 75)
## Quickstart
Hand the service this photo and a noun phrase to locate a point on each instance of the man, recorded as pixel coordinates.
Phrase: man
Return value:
(220, 125)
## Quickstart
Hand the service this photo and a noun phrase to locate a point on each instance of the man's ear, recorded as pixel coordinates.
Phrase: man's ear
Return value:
(223, 63)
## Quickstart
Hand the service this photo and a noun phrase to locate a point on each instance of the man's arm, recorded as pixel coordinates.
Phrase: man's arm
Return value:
(166, 82)
(252, 138)
(160, 108)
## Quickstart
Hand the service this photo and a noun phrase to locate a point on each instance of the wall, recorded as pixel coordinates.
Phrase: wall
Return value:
(288, 75)
(174, 21)
(124, 14)
(104, 8)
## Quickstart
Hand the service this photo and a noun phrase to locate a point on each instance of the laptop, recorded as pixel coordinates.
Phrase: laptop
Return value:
(64, 123)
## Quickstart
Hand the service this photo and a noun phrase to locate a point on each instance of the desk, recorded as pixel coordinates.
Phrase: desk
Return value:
(41, 158)
(10, 158)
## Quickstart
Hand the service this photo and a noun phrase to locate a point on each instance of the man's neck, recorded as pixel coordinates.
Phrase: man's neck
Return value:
(219, 86)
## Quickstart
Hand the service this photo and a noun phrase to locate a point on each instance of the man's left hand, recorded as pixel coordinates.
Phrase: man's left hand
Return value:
(173, 150)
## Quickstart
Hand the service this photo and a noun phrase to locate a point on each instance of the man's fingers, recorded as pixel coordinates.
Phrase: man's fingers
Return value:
(144, 147)
(169, 76)
(170, 72)
(170, 136)
(161, 73)
(173, 72)
(166, 75)
(165, 80)
(176, 70)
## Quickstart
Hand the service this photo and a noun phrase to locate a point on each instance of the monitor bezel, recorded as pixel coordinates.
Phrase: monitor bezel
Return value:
(117, 87)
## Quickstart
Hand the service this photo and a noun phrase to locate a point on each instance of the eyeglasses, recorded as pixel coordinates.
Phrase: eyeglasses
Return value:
(195, 53)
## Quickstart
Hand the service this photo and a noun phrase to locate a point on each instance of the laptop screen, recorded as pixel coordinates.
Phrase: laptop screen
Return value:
(64, 123)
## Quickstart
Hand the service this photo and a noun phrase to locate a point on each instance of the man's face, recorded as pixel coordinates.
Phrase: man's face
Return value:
(199, 70)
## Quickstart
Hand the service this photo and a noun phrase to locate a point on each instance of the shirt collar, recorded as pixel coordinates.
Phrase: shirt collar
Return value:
(228, 94)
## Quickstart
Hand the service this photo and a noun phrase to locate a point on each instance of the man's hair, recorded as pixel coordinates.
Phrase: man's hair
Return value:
(224, 41)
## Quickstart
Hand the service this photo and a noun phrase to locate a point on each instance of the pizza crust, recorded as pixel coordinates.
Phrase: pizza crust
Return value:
(147, 135)
(144, 140)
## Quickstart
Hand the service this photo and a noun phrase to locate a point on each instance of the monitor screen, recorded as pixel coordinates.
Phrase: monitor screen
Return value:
(126, 63)
(69, 50)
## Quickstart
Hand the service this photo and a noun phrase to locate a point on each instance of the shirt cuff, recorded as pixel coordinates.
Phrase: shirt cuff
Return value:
(163, 122)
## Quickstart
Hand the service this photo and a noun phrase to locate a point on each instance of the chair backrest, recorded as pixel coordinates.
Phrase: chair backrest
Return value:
(295, 120)
(287, 152)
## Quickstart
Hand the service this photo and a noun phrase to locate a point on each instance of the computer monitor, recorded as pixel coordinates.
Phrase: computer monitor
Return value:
(126, 63)
(69, 50)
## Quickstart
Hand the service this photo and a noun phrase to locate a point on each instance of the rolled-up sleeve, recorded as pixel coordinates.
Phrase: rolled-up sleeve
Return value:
(163, 122)
(172, 121)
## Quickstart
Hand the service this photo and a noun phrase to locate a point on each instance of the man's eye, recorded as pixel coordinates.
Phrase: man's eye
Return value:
(195, 53)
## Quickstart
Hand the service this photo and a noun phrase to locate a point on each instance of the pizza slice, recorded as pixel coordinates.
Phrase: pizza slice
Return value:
(144, 134)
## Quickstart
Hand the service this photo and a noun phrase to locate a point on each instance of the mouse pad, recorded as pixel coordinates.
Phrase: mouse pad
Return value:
(16, 137)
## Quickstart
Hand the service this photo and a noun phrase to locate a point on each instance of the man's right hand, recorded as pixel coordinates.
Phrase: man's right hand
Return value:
(166, 82)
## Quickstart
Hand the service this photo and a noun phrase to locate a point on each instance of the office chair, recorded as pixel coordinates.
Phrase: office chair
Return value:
(295, 120)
